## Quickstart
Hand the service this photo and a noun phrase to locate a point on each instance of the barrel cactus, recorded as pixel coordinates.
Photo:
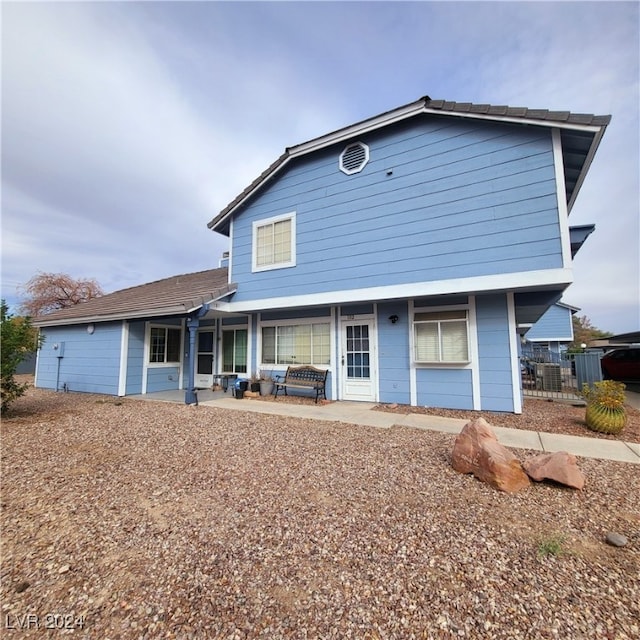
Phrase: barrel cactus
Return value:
(605, 406)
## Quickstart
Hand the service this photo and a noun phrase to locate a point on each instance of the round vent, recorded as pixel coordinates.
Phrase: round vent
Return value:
(354, 158)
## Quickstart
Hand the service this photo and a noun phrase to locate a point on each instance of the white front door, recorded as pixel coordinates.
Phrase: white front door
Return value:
(358, 361)
(204, 359)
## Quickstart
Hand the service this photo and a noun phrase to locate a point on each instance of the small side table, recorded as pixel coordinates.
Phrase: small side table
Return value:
(224, 379)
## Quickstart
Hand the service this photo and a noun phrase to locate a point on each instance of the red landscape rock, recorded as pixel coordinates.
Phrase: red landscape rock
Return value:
(478, 451)
(560, 467)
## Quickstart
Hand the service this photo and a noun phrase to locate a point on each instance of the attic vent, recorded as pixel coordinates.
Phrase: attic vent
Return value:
(354, 158)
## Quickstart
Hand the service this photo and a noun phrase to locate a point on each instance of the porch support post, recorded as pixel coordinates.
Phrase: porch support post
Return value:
(193, 322)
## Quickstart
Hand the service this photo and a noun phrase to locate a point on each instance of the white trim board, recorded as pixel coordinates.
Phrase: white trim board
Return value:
(499, 282)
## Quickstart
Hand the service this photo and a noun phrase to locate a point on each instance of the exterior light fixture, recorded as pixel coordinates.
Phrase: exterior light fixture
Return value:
(393, 318)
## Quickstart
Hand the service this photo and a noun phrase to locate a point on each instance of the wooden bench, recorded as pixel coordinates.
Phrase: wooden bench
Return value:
(304, 377)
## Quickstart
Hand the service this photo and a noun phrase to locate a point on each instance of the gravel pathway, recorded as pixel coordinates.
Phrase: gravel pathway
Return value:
(128, 519)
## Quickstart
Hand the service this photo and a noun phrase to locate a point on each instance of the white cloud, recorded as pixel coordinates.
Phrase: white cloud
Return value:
(127, 126)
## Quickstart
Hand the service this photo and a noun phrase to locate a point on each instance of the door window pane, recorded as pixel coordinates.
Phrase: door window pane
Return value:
(358, 362)
(173, 345)
(205, 341)
(205, 364)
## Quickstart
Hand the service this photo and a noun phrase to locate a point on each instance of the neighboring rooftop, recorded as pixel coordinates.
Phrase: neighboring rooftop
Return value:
(580, 136)
(176, 295)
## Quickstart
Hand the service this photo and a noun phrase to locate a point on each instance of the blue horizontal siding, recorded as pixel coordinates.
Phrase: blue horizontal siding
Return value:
(445, 388)
(555, 324)
(91, 362)
(163, 378)
(464, 199)
(393, 353)
(135, 358)
(494, 354)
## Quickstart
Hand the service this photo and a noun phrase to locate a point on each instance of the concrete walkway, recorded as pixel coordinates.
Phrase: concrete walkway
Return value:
(363, 413)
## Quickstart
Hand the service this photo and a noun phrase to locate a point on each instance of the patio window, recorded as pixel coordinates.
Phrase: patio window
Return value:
(297, 344)
(164, 345)
(441, 337)
(234, 350)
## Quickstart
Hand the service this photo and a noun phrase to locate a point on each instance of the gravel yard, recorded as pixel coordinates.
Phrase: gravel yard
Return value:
(133, 519)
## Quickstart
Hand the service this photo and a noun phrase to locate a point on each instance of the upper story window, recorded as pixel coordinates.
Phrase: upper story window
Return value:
(441, 337)
(354, 158)
(274, 243)
(164, 345)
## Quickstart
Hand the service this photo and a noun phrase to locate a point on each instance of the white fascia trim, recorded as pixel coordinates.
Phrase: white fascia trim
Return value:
(334, 345)
(568, 306)
(230, 258)
(160, 312)
(474, 355)
(358, 129)
(587, 164)
(564, 339)
(38, 350)
(124, 356)
(515, 120)
(478, 284)
(417, 108)
(516, 390)
(413, 381)
(250, 329)
(208, 302)
(561, 198)
(145, 356)
(332, 138)
(183, 342)
(374, 356)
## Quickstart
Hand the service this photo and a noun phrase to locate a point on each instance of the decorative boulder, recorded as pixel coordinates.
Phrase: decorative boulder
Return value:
(477, 450)
(559, 467)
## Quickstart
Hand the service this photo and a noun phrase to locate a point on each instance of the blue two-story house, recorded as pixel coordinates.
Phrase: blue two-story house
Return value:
(403, 253)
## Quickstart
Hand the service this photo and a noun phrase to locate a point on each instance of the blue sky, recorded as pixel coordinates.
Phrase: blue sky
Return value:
(127, 126)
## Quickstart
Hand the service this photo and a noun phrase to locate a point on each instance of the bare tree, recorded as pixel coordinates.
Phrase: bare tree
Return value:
(47, 292)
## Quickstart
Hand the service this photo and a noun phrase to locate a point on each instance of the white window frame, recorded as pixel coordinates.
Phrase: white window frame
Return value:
(235, 328)
(292, 323)
(165, 363)
(431, 310)
(258, 224)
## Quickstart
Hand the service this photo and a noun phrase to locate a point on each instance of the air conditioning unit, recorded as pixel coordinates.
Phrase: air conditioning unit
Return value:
(551, 377)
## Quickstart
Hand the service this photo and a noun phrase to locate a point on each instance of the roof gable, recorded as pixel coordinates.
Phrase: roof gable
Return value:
(580, 137)
(177, 295)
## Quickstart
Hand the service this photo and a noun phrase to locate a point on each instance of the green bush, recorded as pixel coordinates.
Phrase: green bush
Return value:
(551, 545)
(17, 339)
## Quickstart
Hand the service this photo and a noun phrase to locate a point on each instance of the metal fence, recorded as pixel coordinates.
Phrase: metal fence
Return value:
(546, 374)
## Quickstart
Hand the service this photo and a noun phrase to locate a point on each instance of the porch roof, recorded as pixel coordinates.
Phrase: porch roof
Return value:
(174, 296)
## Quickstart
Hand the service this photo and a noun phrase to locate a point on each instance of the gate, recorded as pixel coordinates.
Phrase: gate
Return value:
(551, 375)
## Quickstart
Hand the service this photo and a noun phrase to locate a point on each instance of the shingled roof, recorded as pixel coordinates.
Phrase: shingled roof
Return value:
(178, 295)
(581, 133)
(518, 112)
